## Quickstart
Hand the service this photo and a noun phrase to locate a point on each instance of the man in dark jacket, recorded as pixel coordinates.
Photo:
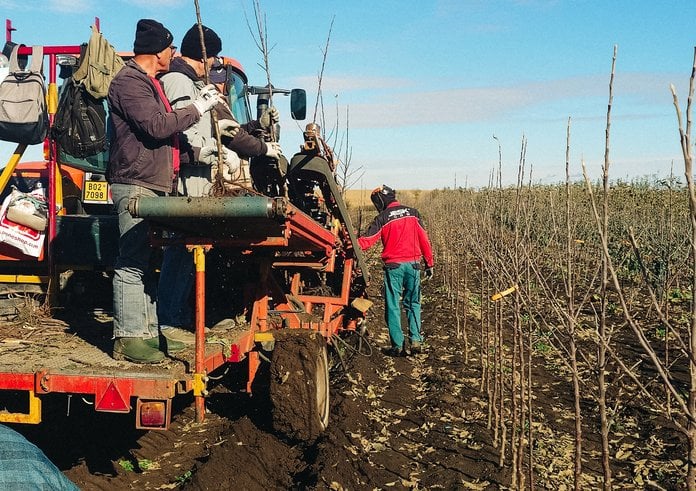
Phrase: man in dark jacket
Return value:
(404, 242)
(142, 162)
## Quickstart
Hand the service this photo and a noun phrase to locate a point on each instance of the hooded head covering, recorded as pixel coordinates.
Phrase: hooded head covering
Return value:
(382, 196)
(191, 44)
(151, 37)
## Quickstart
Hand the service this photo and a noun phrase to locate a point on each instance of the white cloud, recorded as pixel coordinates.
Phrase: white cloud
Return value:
(391, 102)
(341, 85)
(69, 5)
(50, 5)
(157, 3)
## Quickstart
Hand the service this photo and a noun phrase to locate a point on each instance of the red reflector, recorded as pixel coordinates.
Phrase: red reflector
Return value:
(112, 401)
(153, 414)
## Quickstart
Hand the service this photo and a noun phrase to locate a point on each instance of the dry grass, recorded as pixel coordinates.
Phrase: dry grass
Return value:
(360, 198)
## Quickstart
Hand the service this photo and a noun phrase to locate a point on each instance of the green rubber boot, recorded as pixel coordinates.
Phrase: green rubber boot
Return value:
(136, 350)
(166, 344)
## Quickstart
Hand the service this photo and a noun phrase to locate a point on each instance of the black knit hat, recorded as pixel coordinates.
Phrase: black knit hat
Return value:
(191, 44)
(151, 37)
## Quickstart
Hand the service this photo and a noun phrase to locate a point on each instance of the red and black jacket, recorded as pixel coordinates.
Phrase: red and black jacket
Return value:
(403, 235)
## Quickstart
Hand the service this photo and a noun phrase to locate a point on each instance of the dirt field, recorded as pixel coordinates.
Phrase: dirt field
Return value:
(418, 422)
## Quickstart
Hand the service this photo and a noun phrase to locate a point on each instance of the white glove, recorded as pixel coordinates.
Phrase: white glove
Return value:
(269, 117)
(228, 127)
(208, 155)
(231, 166)
(208, 98)
(273, 150)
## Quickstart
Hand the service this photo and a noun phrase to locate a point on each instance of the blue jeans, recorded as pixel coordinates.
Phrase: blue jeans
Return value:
(402, 285)
(177, 273)
(135, 285)
(24, 466)
(175, 284)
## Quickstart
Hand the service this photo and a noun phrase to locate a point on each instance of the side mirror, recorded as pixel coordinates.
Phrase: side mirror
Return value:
(298, 104)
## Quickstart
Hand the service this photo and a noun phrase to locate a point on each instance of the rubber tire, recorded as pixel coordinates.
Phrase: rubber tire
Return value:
(299, 385)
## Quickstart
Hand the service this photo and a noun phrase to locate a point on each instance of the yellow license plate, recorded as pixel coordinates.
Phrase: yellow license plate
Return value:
(96, 192)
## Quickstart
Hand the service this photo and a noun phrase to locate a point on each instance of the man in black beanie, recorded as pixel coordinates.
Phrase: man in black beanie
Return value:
(151, 37)
(191, 44)
(142, 162)
(199, 153)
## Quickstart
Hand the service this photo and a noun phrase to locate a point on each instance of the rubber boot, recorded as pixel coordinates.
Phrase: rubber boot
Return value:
(136, 350)
(163, 343)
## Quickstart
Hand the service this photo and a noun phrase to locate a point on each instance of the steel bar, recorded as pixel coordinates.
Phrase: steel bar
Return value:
(175, 207)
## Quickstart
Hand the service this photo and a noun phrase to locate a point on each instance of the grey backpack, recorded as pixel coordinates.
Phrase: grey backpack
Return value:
(23, 114)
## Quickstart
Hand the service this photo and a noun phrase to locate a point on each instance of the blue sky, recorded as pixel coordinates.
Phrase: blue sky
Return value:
(419, 89)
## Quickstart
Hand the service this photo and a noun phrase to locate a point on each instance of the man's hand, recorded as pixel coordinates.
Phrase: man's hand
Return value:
(208, 155)
(269, 117)
(228, 127)
(208, 98)
(428, 273)
(273, 150)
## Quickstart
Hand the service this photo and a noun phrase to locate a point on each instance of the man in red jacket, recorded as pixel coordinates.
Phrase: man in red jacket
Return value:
(404, 242)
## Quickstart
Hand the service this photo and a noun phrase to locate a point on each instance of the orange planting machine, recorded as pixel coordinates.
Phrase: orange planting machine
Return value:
(287, 281)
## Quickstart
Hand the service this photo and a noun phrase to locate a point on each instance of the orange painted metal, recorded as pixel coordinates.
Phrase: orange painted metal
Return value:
(199, 261)
(270, 310)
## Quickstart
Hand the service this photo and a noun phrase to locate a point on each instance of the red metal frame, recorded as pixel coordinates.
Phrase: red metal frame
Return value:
(112, 391)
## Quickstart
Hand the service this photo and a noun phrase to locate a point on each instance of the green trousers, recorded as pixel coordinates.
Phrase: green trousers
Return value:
(402, 284)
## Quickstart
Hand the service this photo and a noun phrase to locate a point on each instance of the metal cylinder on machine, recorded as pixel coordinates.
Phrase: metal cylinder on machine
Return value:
(214, 207)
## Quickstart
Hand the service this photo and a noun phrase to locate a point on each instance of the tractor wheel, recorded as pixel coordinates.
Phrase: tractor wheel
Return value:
(299, 385)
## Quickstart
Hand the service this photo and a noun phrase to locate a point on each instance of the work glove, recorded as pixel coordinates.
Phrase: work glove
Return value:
(228, 127)
(269, 117)
(273, 150)
(230, 166)
(208, 98)
(428, 273)
(209, 155)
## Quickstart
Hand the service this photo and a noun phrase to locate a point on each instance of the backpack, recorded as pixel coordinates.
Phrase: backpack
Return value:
(99, 63)
(23, 114)
(79, 126)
